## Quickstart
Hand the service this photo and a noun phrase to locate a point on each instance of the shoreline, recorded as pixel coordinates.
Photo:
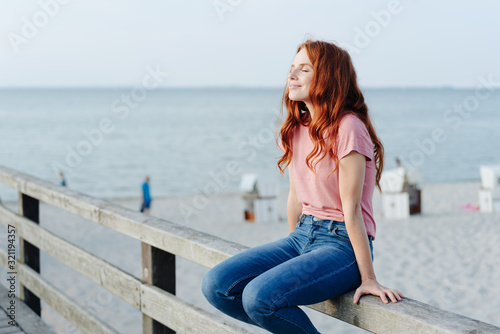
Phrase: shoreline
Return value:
(238, 193)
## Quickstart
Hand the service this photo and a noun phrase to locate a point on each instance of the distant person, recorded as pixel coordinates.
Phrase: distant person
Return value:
(334, 160)
(63, 179)
(146, 196)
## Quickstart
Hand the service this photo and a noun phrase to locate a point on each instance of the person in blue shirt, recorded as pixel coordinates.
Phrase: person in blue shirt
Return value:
(146, 197)
(63, 179)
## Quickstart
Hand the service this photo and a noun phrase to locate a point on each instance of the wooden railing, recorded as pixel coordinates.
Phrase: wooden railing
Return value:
(154, 293)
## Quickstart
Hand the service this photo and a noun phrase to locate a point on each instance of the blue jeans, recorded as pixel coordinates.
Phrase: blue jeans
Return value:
(264, 285)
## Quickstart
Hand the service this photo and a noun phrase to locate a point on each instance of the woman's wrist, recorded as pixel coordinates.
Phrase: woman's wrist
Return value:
(368, 278)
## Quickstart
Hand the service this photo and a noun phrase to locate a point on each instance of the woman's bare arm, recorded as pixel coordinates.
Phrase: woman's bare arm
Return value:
(293, 206)
(351, 180)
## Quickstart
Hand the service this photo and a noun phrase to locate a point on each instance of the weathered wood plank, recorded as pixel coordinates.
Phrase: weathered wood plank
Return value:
(407, 316)
(76, 314)
(181, 316)
(190, 244)
(186, 316)
(123, 285)
(3, 259)
(148, 323)
(29, 321)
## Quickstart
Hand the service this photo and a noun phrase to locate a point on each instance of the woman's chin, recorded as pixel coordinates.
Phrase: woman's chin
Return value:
(294, 97)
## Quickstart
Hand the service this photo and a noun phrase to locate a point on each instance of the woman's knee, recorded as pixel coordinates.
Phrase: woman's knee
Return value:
(219, 282)
(256, 301)
(210, 285)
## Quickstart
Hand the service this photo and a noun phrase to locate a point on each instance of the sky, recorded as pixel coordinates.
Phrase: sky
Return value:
(251, 43)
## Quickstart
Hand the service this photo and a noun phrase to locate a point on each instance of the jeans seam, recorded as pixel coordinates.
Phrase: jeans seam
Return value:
(307, 245)
(334, 230)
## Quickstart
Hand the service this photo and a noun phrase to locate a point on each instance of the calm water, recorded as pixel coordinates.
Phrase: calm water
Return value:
(182, 138)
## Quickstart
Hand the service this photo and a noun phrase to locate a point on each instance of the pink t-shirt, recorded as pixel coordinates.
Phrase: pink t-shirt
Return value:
(320, 196)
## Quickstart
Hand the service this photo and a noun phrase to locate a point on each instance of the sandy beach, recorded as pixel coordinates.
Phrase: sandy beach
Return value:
(446, 257)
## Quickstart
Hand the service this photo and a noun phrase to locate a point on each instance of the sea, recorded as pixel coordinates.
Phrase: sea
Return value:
(204, 140)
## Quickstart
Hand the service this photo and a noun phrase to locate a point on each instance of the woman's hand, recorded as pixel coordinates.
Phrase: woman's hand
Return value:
(371, 286)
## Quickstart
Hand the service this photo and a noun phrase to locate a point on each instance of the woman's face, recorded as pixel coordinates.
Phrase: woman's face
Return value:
(299, 77)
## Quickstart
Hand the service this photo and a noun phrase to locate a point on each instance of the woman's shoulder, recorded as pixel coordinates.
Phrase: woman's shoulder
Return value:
(353, 134)
(350, 119)
(351, 122)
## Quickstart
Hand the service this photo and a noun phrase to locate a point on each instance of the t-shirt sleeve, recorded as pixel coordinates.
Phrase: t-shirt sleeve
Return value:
(353, 136)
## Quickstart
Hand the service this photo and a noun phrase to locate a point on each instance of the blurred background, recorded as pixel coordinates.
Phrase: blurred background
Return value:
(189, 92)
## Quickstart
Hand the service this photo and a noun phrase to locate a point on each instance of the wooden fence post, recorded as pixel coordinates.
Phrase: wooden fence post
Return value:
(158, 269)
(29, 254)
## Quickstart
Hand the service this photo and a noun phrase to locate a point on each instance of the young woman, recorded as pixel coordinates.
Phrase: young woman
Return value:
(334, 161)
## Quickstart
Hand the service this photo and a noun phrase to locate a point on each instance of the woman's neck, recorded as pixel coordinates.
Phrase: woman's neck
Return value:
(310, 108)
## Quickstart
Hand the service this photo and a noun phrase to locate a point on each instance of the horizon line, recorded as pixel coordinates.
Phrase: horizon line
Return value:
(222, 87)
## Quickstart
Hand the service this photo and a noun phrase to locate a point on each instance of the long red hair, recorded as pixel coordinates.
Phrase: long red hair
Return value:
(334, 92)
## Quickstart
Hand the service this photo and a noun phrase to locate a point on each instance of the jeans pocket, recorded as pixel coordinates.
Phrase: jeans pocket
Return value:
(341, 233)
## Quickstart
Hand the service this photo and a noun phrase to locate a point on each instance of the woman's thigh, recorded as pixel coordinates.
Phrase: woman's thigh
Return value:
(310, 278)
(232, 275)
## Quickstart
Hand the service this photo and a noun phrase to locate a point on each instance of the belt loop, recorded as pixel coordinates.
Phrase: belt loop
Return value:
(300, 221)
(330, 226)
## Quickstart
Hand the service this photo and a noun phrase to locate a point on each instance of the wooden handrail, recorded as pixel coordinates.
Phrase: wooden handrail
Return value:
(408, 316)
